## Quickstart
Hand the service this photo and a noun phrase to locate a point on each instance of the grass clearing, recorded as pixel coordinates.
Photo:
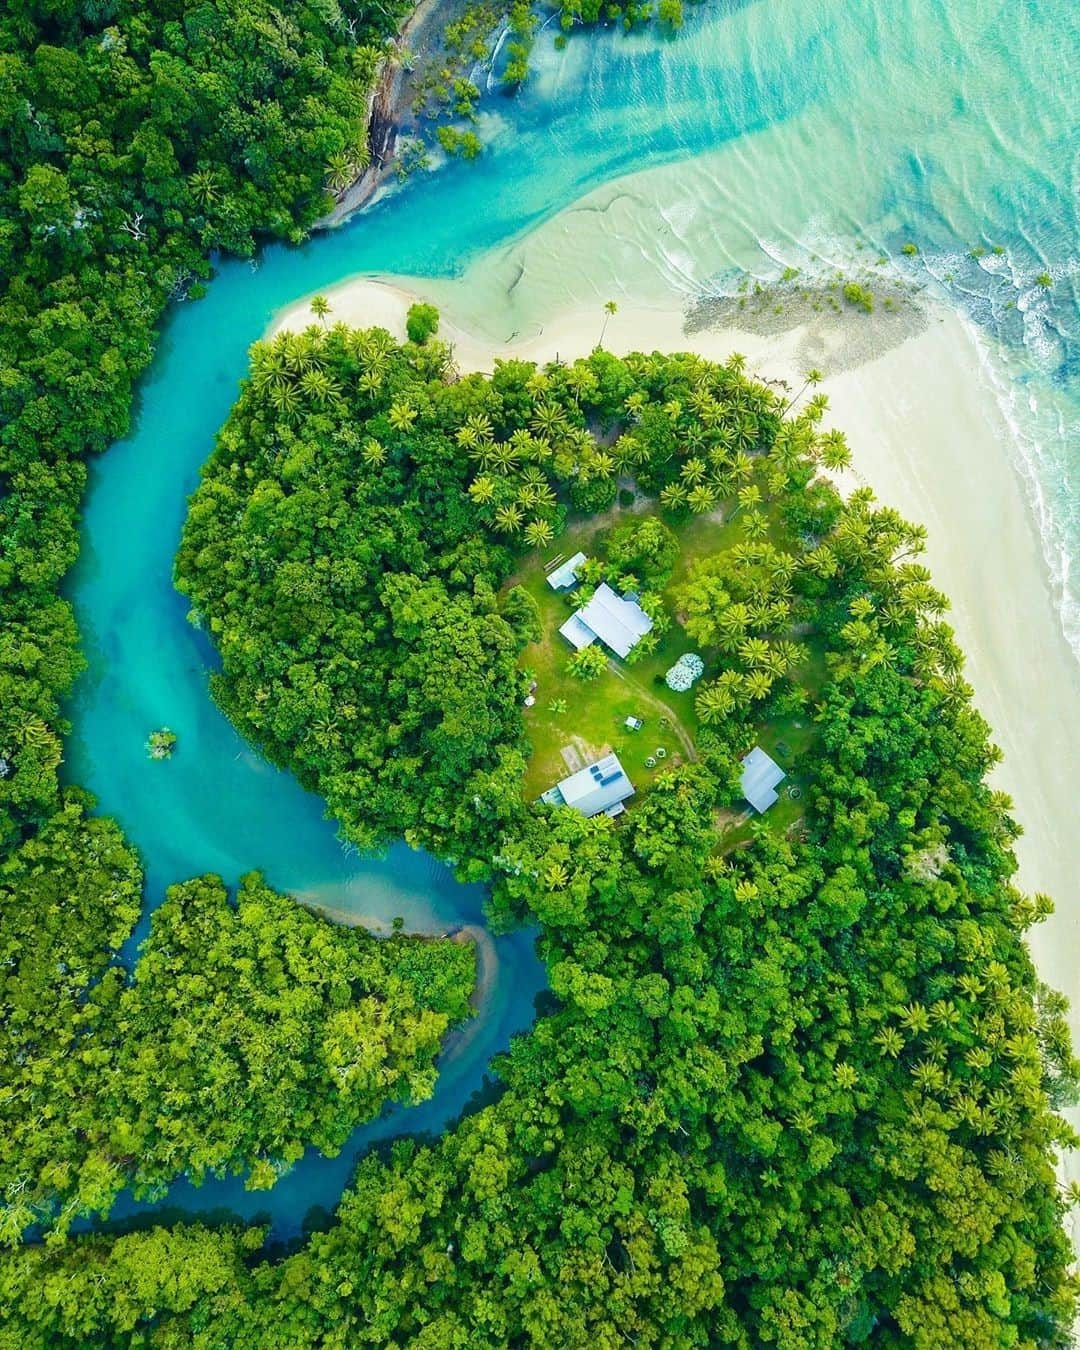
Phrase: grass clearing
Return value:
(573, 722)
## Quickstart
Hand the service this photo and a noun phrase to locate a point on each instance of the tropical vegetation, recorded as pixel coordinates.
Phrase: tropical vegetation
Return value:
(799, 1083)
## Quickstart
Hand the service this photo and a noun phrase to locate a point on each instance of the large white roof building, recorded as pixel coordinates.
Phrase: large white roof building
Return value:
(619, 623)
(602, 786)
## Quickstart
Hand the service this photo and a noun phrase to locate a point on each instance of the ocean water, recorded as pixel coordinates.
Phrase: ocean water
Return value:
(819, 135)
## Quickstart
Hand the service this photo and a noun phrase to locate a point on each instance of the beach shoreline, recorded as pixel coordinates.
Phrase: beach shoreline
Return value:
(928, 436)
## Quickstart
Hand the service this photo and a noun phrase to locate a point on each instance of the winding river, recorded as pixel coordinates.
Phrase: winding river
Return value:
(766, 134)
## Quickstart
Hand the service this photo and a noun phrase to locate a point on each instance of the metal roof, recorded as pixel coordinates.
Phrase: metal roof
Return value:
(617, 622)
(596, 788)
(566, 573)
(578, 634)
(760, 776)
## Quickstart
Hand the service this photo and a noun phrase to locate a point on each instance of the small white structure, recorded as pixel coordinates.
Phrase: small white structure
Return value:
(760, 776)
(634, 724)
(565, 575)
(602, 786)
(619, 623)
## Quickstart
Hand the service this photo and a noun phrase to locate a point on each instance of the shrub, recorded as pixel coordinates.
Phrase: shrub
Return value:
(421, 322)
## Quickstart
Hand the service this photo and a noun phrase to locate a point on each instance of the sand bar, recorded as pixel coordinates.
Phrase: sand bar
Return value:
(927, 434)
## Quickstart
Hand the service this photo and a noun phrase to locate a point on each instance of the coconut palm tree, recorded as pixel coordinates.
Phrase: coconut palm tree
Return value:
(556, 876)
(508, 519)
(285, 400)
(754, 651)
(736, 363)
(320, 307)
(610, 308)
(701, 499)
(318, 386)
(538, 533)
(373, 454)
(548, 420)
(402, 416)
(504, 456)
(812, 377)
(341, 170)
(205, 186)
(713, 703)
(674, 496)
(834, 450)
(482, 490)
(815, 409)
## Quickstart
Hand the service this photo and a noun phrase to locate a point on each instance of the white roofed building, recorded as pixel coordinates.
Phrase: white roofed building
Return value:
(602, 786)
(760, 777)
(565, 575)
(619, 623)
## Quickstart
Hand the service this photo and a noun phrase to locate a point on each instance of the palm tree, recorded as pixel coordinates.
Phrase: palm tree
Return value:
(340, 171)
(713, 703)
(754, 651)
(693, 471)
(476, 427)
(834, 450)
(674, 496)
(610, 307)
(548, 420)
(736, 363)
(285, 400)
(889, 1041)
(504, 456)
(815, 409)
(538, 533)
(205, 187)
(402, 416)
(373, 454)
(508, 519)
(317, 385)
(812, 376)
(482, 489)
(758, 683)
(320, 307)
(701, 499)
(556, 876)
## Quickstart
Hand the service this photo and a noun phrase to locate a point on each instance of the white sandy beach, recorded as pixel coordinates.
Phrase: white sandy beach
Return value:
(927, 434)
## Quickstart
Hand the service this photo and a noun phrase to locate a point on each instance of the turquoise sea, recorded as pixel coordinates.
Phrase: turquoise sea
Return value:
(820, 135)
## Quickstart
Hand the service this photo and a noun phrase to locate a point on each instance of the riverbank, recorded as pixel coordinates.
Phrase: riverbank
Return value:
(927, 435)
(387, 104)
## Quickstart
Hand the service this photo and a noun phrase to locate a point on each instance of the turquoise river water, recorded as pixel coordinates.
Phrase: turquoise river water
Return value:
(818, 135)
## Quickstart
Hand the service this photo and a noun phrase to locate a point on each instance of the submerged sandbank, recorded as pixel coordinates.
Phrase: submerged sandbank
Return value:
(927, 434)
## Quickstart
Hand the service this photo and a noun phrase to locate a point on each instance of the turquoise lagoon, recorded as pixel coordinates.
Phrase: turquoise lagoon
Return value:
(819, 135)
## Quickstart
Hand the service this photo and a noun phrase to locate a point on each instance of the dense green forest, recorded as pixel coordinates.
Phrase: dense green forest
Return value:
(249, 1031)
(135, 141)
(800, 1085)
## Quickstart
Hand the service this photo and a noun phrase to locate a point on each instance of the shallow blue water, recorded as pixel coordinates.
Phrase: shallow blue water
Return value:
(773, 133)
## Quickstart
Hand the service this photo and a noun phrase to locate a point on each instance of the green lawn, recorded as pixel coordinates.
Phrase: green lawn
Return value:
(593, 720)
(596, 710)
